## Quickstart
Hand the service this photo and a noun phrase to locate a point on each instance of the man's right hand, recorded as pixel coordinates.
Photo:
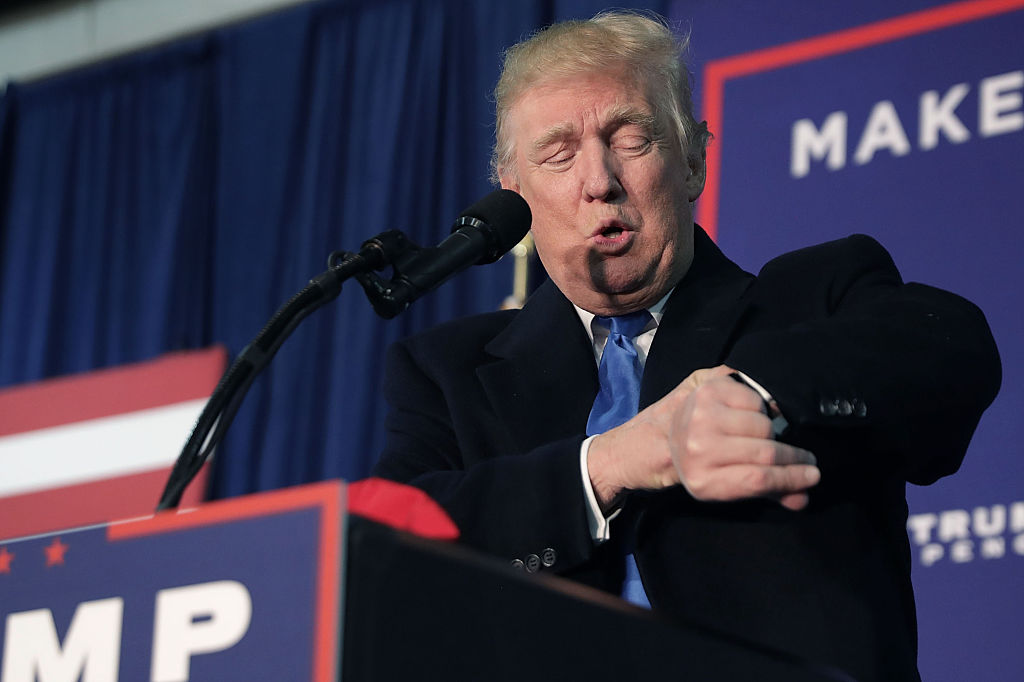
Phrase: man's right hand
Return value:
(710, 435)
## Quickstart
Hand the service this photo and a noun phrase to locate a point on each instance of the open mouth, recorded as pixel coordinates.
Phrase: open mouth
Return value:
(611, 230)
(612, 238)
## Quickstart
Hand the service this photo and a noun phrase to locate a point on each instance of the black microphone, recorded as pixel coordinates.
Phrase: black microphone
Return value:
(503, 218)
(482, 234)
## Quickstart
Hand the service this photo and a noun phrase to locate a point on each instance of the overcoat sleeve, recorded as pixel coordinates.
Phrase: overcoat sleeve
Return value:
(881, 377)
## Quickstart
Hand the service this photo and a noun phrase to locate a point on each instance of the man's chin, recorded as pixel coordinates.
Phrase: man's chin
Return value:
(613, 283)
(627, 298)
(624, 286)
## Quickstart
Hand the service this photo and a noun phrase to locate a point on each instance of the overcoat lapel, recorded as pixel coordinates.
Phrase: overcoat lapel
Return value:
(544, 377)
(700, 317)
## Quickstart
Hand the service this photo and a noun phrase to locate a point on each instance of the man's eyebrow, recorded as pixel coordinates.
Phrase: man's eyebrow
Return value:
(615, 118)
(628, 115)
(553, 134)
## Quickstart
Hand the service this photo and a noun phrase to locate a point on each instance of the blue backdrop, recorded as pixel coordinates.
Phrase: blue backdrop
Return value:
(175, 198)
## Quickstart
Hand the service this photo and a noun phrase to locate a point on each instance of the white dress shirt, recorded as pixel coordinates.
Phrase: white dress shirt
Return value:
(597, 521)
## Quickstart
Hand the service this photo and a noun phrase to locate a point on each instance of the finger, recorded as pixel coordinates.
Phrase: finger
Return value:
(731, 421)
(745, 481)
(741, 450)
(700, 377)
(789, 454)
(734, 394)
(794, 501)
(760, 481)
(791, 478)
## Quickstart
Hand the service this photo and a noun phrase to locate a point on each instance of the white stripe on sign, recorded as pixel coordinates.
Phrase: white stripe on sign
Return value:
(97, 448)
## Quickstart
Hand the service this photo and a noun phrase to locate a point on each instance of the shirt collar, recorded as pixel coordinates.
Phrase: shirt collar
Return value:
(656, 311)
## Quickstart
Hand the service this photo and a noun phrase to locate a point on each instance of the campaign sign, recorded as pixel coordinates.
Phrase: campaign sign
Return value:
(98, 446)
(243, 589)
(911, 130)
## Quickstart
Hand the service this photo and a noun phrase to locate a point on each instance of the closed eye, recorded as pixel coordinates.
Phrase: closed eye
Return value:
(631, 145)
(560, 160)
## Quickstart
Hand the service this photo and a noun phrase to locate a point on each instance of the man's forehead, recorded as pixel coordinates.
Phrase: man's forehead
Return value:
(611, 118)
(558, 107)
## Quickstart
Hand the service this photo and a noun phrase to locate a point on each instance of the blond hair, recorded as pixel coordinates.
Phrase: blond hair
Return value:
(641, 42)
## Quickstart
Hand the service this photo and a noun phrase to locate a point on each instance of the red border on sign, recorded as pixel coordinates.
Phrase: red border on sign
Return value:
(83, 504)
(717, 72)
(327, 496)
(169, 379)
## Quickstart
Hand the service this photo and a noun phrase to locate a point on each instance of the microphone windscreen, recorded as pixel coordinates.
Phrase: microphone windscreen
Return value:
(507, 218)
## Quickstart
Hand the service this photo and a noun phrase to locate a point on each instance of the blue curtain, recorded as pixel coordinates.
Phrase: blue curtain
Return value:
(176, 198)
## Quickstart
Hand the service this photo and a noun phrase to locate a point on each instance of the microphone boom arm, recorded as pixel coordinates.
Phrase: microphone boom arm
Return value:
(481, 235)
(225, 400)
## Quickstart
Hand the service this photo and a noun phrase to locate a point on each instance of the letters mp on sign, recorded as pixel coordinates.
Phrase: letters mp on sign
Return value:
(238, 590)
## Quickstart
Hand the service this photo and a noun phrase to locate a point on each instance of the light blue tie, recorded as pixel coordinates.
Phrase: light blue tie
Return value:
(617, 402)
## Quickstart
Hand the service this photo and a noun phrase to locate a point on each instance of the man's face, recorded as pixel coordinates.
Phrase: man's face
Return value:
(609, 188)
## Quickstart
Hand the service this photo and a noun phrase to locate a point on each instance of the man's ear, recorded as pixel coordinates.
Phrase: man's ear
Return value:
(508, 180)
(698, 173)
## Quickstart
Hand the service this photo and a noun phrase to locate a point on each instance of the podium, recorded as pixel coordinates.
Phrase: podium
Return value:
(286, 586)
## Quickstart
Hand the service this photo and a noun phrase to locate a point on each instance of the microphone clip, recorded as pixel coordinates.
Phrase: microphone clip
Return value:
(392, 247)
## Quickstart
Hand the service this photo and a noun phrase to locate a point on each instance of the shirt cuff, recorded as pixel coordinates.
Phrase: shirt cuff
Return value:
(599, 524)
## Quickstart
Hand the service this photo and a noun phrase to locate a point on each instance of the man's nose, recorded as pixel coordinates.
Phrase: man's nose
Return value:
(600, 179)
